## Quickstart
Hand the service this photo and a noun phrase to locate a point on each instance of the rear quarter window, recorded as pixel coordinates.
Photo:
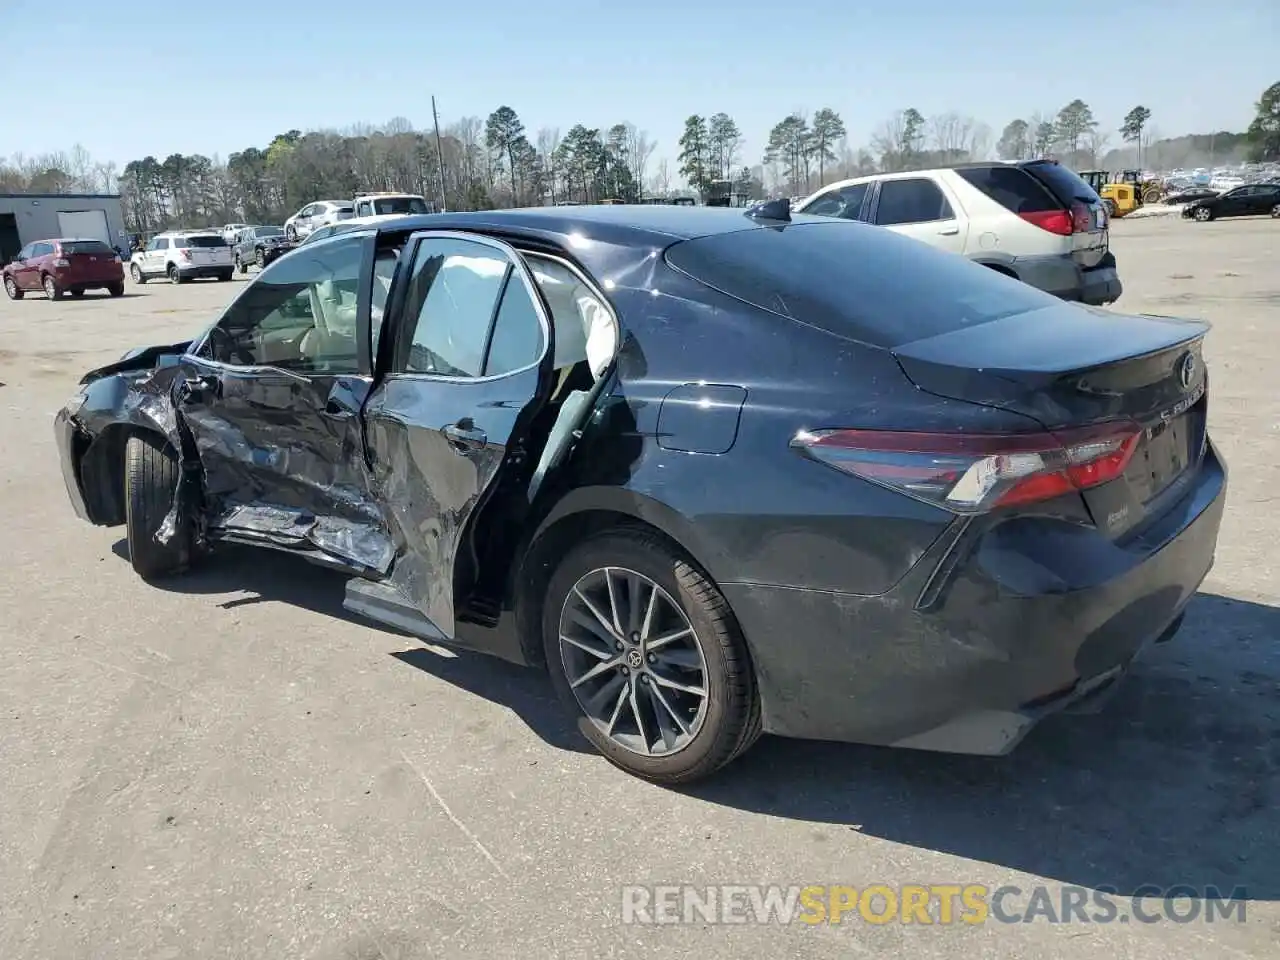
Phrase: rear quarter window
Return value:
(854, 280)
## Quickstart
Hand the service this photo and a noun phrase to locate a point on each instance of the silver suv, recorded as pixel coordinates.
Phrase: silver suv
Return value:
(315, 215)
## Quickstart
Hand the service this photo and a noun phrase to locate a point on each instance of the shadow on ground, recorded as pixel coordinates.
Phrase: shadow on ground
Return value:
(1175, 782)
(270, 577)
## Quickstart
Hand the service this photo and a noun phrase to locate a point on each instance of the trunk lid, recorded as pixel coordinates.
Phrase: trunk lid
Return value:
(1070, 366)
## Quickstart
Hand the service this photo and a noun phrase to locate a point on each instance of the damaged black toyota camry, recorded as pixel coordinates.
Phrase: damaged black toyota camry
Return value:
(717, 472)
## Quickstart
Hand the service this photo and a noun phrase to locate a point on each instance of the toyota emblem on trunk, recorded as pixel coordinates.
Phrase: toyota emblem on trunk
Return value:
(1187, 370)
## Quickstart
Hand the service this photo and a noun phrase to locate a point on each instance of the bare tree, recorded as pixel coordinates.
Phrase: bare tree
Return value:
(638, 149)
(662, 179)
(1095, 145)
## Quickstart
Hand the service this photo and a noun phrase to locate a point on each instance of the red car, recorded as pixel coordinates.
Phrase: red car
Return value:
(64, 266)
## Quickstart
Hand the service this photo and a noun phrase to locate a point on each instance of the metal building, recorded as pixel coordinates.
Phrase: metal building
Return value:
(28, 217)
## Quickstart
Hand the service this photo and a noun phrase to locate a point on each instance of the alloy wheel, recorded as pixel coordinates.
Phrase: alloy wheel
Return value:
(50, 288)
(633, 661)
(11, 288)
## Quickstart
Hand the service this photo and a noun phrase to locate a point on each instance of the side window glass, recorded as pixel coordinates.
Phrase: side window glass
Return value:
(384, 270)
(853, 197)
(299, 315)
(911, 201)
(454, 288)
(830, 204)
(44, 249)
(517, 332)
(25, 253)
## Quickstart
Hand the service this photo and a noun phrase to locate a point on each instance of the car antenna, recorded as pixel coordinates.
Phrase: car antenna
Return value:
(771, 210)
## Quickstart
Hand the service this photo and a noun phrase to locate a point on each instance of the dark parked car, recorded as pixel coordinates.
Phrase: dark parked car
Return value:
(1250, 200)
(64, 266)
(259, 245)
(717, 472)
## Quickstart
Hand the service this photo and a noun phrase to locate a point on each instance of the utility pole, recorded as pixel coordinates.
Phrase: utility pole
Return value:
(435, 119)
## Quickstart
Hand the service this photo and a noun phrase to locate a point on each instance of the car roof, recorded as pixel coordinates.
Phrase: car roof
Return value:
(624, 224)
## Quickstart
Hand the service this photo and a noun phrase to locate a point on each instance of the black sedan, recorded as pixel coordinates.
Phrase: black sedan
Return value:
(259, 245)
(1250, 200)
(717, 472)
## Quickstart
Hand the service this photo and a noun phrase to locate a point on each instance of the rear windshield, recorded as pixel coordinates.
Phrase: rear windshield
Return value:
(1014, 189)
(387, 205)
(1063, 181)
(855, 280)
(201, 241)
(85, 246)
(268, 231)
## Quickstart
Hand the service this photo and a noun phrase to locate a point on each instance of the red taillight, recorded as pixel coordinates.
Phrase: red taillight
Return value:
(1081, 218)
(973, 473)
(1060, 222)
(185, 253)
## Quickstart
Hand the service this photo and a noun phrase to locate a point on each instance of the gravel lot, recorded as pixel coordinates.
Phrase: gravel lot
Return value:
(230, 767)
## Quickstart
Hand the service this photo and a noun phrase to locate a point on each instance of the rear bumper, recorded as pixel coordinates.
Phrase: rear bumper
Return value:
(84, 280)
(987, 635)
(1064, 278)
(204, 270)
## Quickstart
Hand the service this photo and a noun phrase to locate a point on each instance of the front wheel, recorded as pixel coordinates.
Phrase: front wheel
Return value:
(1275, 211)
(1203, 214)
(291, 234)
(11, 289)
(260, 258)
(645, 650)
(151, 475)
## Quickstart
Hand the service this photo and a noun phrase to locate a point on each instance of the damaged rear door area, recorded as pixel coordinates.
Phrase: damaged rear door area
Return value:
(271, 402)
(467, 360)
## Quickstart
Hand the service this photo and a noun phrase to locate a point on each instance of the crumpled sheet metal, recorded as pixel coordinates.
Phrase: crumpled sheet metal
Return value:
(360, 543)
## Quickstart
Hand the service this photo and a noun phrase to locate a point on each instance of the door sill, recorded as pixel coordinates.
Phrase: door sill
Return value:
(384, 604)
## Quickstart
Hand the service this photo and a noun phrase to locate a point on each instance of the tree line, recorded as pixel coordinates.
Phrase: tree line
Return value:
(479, 163)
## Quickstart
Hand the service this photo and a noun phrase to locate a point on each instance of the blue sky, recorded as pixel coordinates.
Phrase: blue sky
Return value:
(216, 77)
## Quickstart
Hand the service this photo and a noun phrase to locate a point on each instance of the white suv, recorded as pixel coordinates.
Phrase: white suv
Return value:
(180, 256)
(1036, 221)
(390, 204)
(315, 215)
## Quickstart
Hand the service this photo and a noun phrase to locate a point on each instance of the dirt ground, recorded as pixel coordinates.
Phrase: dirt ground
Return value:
(230, 767)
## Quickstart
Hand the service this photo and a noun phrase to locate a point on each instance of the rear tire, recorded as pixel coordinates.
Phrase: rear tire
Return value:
(116, 289)
(241, 266)
(1275, 212)
(11, 289)
(136, 273)
(151, 475)
(728, 720)
(51, 288)
(225, 276)
(174, 275)
(260, 258)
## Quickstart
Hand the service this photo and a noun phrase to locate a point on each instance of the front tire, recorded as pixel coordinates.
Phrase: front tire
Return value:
(11, 289)
(260, 258)
(1275, 212)
(1203, 214)
(644, 649)
(151, 475)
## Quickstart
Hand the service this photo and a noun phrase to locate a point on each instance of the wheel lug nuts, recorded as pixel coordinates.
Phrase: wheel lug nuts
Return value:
(644, 679)
(625, 671)
(653, 658)
(618, 644)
